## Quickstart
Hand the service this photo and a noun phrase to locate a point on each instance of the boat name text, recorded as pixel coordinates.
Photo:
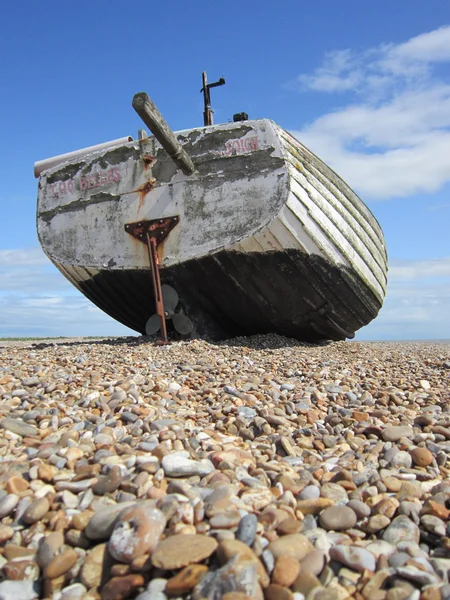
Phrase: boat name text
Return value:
(88, 182)
(240, 146)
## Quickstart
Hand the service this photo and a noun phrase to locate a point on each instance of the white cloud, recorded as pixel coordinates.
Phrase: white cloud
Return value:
(36, 300)
(408, 270)
(394, 138)
(416, 307)
(23, 257)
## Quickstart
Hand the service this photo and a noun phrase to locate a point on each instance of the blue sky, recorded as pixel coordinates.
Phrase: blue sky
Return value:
(366, 85)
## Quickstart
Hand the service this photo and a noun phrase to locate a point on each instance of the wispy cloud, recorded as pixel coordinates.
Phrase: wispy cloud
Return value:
(409, 270)
(393, 137)
(36, 300)
(23, 257)
(416, 304)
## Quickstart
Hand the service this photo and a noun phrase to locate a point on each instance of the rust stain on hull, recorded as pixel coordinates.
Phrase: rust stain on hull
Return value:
(143, 190)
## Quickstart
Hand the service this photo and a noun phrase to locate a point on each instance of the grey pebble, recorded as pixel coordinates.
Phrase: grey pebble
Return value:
(246, 530)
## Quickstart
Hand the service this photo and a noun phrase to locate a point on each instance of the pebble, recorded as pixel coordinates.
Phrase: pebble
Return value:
(247, 528)
(178, 551)
(395, 433)
(136, 532)
(185, 580)
(422, 457)
(179, 465)
(60, 564)
(258, 467)
(337, 518)
(354, 557)
(401, 529)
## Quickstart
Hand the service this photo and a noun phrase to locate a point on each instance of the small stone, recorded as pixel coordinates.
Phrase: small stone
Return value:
(295, 545)
(309, 492)
(96, 567)
(136, 532)
(277, 592)
(177, 464)
(8, 504)
(314, 562)
(16, 485)
(120, 588)
(49, 547)
(19, 590)
(19, 427)
(422, 457)
(76, 591)
(359, 508)
(376, 523)
(305, 582)
(109, 483)
(401, 529)
(394, 433)
(21, 569)
(337, 518)
(101, 524)
(36, 510)
(60, 564)
(314, 506)
(354, 557)
(433, 525)
(184, 581)
(246, 530)
(178, 551)
(286, 571)
(6, 533)
(229, 549)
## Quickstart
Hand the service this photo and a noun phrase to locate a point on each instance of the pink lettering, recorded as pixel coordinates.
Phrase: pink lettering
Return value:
(233, 147)
(83, 183)
(116, 175)
(70, 186)
(62, 187)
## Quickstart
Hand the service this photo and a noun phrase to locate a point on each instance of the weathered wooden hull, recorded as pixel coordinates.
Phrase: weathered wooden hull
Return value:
(269, 239)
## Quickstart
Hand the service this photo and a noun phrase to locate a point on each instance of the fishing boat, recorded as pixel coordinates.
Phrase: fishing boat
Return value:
(217, 231)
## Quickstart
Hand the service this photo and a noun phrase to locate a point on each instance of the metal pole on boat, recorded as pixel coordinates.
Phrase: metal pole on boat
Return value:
(151, 116)
(208, 112)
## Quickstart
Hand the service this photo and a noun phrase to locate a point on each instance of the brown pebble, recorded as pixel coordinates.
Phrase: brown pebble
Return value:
(183, 582)
(61, 564)
(16, 485)
(11, 551)
(285, 571)
(96, 567)
(119, 570)
(305, 582)
(121, 588)
(36, 510)
(6, 533)
(18, 570)
(295, 545)
(178, 551)
(229, 548)
(277, 592)
(80, 520)
(288, 526)
(422, 457)
(314, 506)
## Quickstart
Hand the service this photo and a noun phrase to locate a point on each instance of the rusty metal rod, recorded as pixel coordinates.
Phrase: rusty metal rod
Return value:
(151, 116)
(154, 263)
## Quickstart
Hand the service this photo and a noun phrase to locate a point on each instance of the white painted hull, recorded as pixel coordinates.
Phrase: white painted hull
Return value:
(259, 203)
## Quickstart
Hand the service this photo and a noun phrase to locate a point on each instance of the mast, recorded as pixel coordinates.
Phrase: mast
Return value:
(208, 112)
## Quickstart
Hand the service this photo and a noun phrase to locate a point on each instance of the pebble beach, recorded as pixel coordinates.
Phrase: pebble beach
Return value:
(258, 468)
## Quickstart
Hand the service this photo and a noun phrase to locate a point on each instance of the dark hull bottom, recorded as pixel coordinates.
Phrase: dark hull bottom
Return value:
(231, 293)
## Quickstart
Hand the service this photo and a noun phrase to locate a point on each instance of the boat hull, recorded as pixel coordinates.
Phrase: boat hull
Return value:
(269, 238)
